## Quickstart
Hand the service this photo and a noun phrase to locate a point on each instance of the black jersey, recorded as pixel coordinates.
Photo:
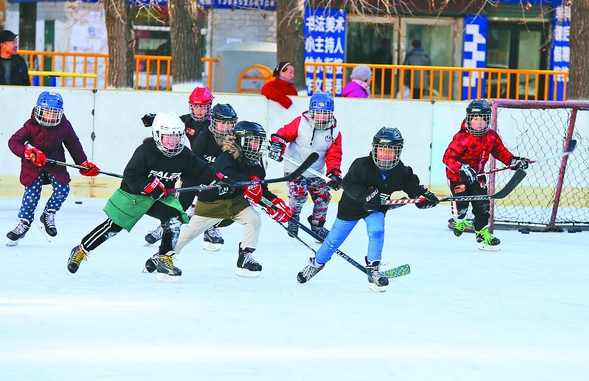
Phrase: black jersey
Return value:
(362, 175)
(205, 147)
(148, 159)
(239, 170)
(193, 128)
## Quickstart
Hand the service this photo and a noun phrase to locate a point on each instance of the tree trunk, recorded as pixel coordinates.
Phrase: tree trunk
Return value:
(186, 20)
(290, 37)
(579, 46)
(121, 57)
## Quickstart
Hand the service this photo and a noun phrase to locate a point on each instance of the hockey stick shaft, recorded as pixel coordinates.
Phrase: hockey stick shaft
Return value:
(310, 170)
(517, 177)
(227, 182)
(569, 149)
(82, 167)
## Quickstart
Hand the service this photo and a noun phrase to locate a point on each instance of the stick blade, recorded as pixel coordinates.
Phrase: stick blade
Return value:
(572, 145)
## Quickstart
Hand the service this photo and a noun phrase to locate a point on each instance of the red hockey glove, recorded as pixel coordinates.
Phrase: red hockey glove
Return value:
(154, 187)
(35, 155)
(336, 179)
(280, 212)
(277, 147)
(91, 169)
(253, 192)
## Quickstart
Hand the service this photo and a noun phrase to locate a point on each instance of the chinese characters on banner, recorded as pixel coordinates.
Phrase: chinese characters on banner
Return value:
(474, 55)
(325, 41)
(560, 49)
(268, 5)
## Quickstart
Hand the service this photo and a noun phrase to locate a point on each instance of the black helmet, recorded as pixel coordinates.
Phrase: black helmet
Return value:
(391, 138)
(222, 113)
(252, 139)
(478, 108)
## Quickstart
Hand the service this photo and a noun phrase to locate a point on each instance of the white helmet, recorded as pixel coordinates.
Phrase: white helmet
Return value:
(168, 123)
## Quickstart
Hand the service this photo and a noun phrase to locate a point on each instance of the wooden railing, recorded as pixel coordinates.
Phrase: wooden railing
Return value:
(389, 81)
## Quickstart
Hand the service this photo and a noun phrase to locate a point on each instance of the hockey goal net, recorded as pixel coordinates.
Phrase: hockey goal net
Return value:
(554, 196)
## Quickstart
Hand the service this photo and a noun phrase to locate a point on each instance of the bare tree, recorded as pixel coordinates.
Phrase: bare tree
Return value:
(579, 46)
(121, 56)
(186, 20)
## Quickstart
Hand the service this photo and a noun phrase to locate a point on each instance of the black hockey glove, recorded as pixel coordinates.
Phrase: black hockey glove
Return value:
(371, 200)
(431, 201)
(468, 174)
(147, 119)
(277, 147)
(520, 163)
(336, 179)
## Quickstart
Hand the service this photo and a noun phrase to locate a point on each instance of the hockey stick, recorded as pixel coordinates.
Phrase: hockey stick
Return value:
(393, 273)
(310, 170)
(227, 182)
(570, 148)
(82, 167)
(517, 177)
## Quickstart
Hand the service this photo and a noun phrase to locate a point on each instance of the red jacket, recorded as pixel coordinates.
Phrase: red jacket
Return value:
(475, 151)
(51, 141)
(277, 90)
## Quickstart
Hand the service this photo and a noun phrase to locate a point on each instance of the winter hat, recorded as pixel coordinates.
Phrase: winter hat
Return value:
(361, 73)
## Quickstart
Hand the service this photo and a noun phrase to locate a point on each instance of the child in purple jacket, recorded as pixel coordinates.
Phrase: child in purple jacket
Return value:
(44, 135)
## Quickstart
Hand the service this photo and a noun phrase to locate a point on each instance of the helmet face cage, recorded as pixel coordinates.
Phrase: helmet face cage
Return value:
(223, 123)
(201, 98)
(168, 124)
(321, 108)
(252, 139)
(390, 144)
(480, 112)
(49, 109)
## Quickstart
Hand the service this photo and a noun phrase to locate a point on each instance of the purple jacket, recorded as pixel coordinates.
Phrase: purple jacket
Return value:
(354, 90)
(51, 141)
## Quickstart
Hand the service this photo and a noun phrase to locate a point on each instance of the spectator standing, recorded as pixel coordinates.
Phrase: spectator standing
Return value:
(13, 68)
(281, 87)
(359, 86)
(417, 57)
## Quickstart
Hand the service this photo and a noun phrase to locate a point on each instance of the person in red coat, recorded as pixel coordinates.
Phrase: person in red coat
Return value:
(44, 135)
(465, 160)
(278, 89)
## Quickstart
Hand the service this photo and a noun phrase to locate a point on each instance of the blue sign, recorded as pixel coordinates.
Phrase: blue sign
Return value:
(474, 54)
(560, 54)
(325, 41)
(268, 5)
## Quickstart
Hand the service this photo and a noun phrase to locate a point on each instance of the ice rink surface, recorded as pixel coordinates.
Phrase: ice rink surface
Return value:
(462, 314)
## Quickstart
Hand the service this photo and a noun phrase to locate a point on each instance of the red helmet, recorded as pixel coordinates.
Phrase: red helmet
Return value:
(201, 96)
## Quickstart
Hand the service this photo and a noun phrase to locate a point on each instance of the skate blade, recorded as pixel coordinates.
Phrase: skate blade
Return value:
(209, 246)
(484, 247)
(42, 228)
(376, 288)
(247, 273)
(11, 243)
(167, 278)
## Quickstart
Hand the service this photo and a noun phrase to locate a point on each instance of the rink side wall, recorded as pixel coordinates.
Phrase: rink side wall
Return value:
(108, 123)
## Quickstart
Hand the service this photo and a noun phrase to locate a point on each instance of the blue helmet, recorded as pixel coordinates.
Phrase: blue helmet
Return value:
(49, 109)
(321, 108)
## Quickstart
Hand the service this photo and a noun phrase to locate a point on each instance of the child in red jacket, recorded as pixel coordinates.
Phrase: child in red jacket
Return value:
(44, 135)
(465, 160)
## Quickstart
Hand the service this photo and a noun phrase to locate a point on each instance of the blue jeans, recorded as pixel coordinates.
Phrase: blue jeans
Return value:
(341, 229)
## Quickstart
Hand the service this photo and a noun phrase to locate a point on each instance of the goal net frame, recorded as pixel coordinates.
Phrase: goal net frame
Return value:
(555, 194)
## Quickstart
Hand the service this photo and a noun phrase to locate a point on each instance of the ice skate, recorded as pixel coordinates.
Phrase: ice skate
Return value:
(154, 235)
(166, 271)
(246, 264)
(487, 241)
(18, 233)
(309, 271)
(47, 224)
(378, 281)
(293, 228)
(151, 263)
(77, 255)
(461, 226)
(213, 241)
(318, 229)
